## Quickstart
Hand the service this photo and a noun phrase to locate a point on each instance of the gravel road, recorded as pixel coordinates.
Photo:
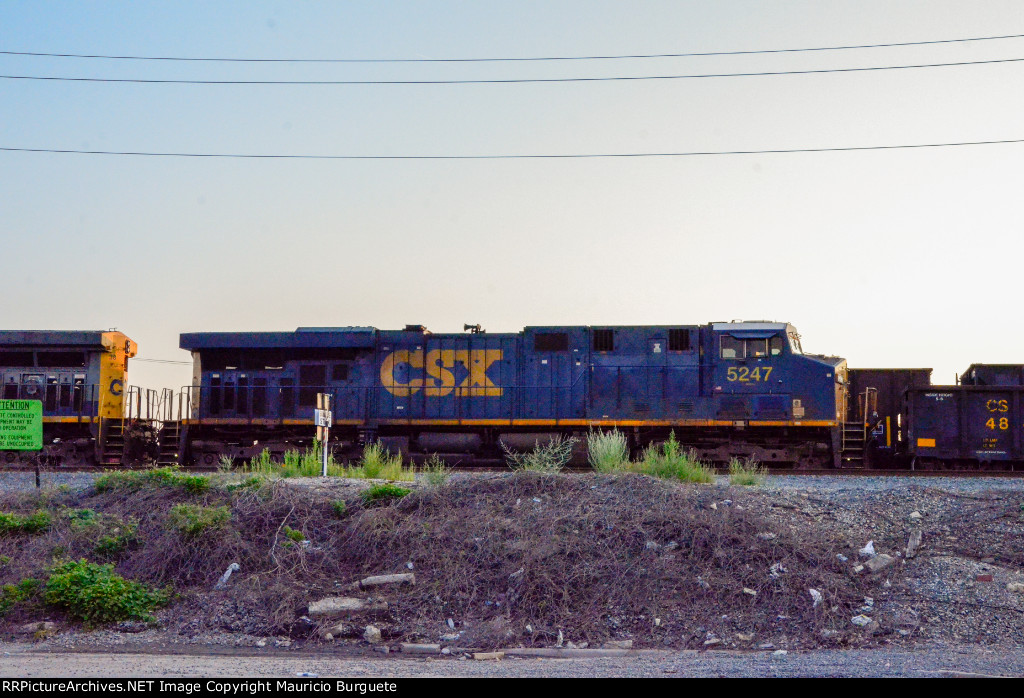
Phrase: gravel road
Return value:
(24, 662)
(25, 480)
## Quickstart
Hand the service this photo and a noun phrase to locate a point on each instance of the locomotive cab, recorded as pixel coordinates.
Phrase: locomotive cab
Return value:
(759, 370)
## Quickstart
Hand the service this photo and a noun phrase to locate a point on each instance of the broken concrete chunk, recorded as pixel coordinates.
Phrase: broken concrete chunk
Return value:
(618, 645)
(233, 567)
(408, 578)
(1015, 588)
(913, 543)
(344, 605)
(483, 656)
(372, 634)
(413, 648)
(879, 563)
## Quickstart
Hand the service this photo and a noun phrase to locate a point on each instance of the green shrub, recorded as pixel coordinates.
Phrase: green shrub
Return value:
(33, 523)
(435, 471)
(296, 463)
(377, 463)
(672, 463)
(117, 540)
(225, 464)
(191, 520)
(748, 473)
(157, 477)
(607, 451)
(82, 518)
(94, 594)
(383, 493)
(340, 508)
(5, 560)
(11, 594)
(544, 458)
(250, 483)
(294, 534)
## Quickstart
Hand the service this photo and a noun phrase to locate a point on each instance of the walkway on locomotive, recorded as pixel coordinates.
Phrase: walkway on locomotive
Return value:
(710, 375)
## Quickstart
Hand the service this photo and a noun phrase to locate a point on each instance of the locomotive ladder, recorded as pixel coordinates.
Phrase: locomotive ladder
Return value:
(169, 436)
(853, 445)
(855, 434)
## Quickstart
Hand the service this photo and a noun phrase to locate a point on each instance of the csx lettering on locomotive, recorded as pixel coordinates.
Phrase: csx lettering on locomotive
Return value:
(441, 366)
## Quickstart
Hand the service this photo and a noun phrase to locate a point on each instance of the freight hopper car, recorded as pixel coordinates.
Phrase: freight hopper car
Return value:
(725, 389)
(976, 424)
(80, 379)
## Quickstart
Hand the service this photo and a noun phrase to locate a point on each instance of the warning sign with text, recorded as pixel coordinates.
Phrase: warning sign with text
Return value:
(21, 425)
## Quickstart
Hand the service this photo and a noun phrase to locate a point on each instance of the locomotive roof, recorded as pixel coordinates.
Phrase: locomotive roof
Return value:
(77, 338)
(749, 326)
(302, 338)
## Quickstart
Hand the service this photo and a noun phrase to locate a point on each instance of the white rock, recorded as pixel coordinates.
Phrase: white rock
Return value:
(868, 550)
(749, 592)
(1015, 588)
(372, 634)
(860, 621)
(779, 653)
(816, 595)
(915, 515)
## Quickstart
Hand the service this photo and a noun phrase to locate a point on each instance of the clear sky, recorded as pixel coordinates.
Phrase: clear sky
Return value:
(888, 258)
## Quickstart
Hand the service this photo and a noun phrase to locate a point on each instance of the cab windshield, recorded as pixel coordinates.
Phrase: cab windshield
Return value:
(794, 343)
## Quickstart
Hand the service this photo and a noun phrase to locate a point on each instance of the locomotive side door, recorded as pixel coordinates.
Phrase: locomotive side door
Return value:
(657, 351)
(554, 371)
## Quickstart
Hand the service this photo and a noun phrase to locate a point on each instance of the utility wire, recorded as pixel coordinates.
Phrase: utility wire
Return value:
(163, 361)
(496, 60)
(510, 157)
(500, 81)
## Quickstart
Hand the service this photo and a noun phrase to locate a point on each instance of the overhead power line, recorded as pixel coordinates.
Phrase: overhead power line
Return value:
(161, 81)
(163, 361)
(548, 156)
(507, 59)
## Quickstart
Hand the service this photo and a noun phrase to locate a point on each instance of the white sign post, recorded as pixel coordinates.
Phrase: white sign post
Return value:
(322, 417)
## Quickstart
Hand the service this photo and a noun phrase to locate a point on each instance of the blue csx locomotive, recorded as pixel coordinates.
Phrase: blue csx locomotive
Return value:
(724, 389)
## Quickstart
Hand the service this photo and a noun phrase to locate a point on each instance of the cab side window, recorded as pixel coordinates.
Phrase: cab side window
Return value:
(775, 346)
(733, 348)
(757, 348)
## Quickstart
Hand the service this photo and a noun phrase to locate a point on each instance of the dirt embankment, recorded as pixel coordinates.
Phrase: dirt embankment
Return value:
(530, 560)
